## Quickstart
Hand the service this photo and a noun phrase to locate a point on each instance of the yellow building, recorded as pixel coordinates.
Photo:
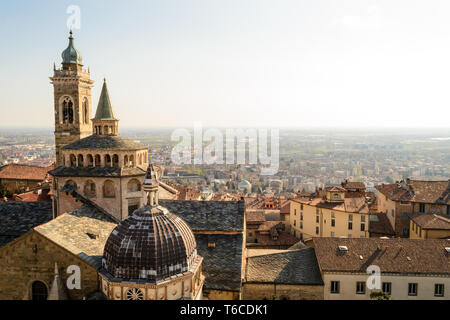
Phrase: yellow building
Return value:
(329, 213)
(429, 226)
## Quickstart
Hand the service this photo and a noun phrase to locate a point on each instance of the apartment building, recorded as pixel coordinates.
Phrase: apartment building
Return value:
(408, 268)
(329, 213)
(407, 198)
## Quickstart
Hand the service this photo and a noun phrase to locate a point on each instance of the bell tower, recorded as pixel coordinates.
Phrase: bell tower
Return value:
(72, 100)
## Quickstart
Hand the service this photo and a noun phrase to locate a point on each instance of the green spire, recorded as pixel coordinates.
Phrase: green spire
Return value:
(104, 108)
(71, 55)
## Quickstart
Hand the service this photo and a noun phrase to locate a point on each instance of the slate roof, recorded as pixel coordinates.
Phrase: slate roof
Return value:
(209, 215)
(417, 191)
(432, 222)
(24, 172)
(83, 232)
(395, 255)
(151, 244)
(222, 264)
(64, 171)
(17, 218)
(297, 267)
(104, 142)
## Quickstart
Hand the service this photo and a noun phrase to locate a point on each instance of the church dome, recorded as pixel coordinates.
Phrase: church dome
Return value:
(71, 55)
(149, 245)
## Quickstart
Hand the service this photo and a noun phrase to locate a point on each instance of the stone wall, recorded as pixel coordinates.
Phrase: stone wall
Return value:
(271, 291)
(31, 258)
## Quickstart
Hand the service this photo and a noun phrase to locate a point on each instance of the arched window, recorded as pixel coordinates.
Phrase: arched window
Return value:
(71, 184)
(89, 189)
(134, 185)
(108, 189)
(132, 160)
(67, 110)
(90, 160)
(105, 129)
(85, 111)
(39, 291)
(115, 160)
(80, 160)
(97, 160)
(107, 160)
(125, 161)
(73, 160)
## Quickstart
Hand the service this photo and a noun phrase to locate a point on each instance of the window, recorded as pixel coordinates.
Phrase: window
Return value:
(439, 290)
(301, 206)
(39, 291)
(350, 217)
(392, 212)
(350, 226)
(422, 207)
(405, 232)
(89, 189)
(404, 216)
(317, 230)
(332, 234)
(386, 286)
(317, 210)
(363, 227)
(295, 212)
(317, 219)
(363, 218)
(412, 289)
(108, 189)
(295, 223)
(333, 223)
(301, 225)
(448, 210)
(334, 287)
(135, 294)
(301, 216)
(134, 185)
(360, 288)
(67, 110)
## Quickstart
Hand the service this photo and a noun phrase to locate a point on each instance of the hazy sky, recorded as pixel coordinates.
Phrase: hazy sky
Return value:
(280, 63)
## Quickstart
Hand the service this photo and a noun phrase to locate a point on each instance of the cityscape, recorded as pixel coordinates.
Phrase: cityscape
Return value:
(97, 205)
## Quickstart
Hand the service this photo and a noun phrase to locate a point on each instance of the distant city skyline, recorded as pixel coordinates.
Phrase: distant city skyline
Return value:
(287, 64)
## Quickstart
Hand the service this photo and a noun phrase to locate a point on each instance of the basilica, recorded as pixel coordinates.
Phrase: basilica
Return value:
(113, 231)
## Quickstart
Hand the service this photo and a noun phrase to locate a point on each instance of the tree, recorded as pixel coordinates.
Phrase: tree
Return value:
(379, 295)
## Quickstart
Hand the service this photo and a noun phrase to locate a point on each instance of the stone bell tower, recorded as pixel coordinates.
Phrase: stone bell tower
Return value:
(72, 100)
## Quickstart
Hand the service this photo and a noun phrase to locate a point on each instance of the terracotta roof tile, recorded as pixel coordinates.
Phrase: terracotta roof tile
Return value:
(396, 255)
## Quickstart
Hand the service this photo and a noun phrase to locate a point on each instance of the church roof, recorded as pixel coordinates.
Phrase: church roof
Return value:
(17, 218)
(83, 232)
(112, 172)
(107, 142)
(209, 215)
(150, 245)
(104, 107)
(70, 54)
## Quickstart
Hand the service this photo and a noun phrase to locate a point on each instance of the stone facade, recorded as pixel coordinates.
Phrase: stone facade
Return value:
(32, 258)
(271, 291)
(71, 86)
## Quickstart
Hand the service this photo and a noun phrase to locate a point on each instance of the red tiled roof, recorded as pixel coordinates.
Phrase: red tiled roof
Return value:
(432, 221)
(24, 172)
(34, 196)
(417, 191)
(379, 224)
